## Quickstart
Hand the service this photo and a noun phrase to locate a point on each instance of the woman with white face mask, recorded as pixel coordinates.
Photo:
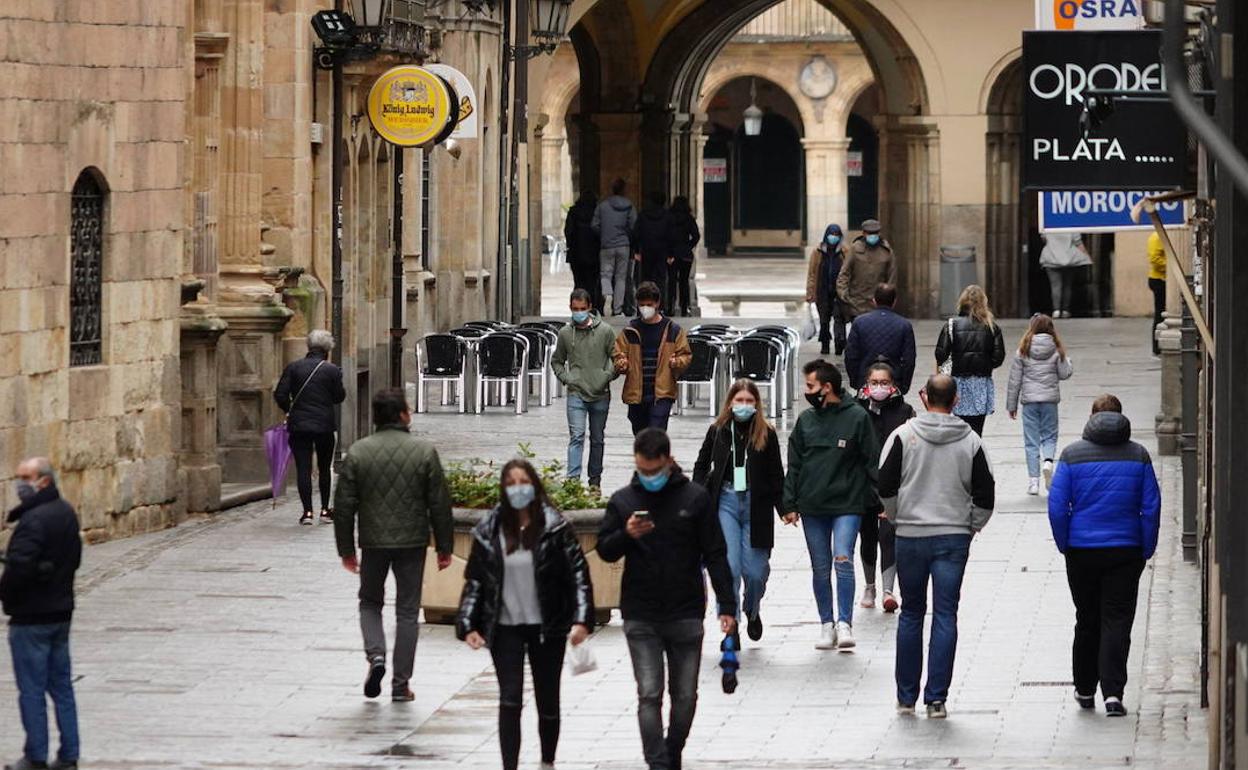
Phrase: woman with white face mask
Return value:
(889, 411)
(740, 466)
(526, 592)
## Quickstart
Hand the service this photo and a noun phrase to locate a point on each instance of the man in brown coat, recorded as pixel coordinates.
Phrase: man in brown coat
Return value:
(869, 263)
(651, 352)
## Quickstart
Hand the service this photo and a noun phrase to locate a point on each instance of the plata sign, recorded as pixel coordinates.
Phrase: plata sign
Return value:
(1141, 145)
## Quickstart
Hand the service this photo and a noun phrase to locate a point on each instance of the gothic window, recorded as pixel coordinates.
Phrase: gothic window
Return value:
(86, 238)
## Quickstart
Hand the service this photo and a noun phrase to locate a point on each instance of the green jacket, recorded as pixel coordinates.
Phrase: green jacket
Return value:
(834, 458)
(583, 360)
(394, 483)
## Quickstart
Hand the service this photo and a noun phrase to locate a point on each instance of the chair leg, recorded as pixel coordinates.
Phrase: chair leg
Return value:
(460, 396)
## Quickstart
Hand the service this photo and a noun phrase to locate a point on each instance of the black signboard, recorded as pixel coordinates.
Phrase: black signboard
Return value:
(1140, 146)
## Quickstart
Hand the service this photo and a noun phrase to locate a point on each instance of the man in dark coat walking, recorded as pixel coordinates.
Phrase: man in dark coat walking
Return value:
(37, 590)
(652, 244)
(882, 332)
(582, 243)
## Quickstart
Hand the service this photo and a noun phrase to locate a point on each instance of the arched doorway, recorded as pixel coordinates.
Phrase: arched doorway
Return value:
(863, 167)
(1010, 258)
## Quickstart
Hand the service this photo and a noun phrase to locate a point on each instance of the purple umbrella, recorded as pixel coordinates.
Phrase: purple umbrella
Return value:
(277, 449)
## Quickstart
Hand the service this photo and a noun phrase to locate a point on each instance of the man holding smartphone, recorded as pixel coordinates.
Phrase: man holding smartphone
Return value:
(665, 528)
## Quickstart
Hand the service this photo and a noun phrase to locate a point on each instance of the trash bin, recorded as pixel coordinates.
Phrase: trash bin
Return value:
(957, 271)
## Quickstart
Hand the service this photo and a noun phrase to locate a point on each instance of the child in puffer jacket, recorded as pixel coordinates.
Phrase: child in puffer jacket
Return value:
(1039, 367)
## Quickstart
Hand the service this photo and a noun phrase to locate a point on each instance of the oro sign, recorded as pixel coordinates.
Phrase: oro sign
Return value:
(1069, 15)
(410, 106)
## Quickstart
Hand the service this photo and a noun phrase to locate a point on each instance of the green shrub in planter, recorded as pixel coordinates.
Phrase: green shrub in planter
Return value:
(474, 484)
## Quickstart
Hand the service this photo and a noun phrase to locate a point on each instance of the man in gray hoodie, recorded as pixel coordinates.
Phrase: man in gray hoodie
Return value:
(937, 488)
(613, 222)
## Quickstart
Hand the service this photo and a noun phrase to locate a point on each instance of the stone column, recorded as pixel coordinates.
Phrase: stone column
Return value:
(199, 468)
(552, 184)
(617, 140)
(827, 186)
(909, 206)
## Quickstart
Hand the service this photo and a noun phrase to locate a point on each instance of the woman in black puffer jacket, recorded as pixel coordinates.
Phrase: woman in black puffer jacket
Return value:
(973, 341)
(526, 590)
(307, 392)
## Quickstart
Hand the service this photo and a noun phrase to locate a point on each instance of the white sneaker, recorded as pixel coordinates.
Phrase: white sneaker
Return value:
(845, 637)
(868, 596)
(827, 637)
(1048, 474)
(1033, 486)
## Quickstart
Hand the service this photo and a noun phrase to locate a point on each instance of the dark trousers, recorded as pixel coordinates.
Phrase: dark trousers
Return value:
(41, 669)
(650, 414)
(680, 642)
(940, 559)
(831, 328)
(877, 533)
(586, 276)
(1158, 287)
(302, 446)
(545, 660)
(408, 565)
(678, 286)
(1104, 584)
(976, 421)
(654, 270)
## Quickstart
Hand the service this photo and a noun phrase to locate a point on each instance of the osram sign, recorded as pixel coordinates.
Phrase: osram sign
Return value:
(1068, 15)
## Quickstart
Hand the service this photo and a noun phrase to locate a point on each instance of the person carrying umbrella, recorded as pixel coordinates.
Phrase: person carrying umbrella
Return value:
(307, 392)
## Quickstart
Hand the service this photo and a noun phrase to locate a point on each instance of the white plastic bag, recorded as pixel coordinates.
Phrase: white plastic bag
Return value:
(810, 327)
(581, 659)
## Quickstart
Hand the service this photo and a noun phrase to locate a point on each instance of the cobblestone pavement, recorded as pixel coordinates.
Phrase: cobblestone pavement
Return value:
(233, 641)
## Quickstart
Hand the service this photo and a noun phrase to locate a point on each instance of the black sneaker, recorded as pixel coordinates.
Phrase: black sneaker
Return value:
(595, 482)
(376, 672)
(754, 627)
(936, 710)
(59, 765)
(26, 764)
(404, 695)
(306, 518)
(1085, 701)
(1114, 708)
(327, 515)
(824, 350)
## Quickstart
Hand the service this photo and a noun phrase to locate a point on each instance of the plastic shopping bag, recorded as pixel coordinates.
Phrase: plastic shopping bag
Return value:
(581, 659)
(810, 327)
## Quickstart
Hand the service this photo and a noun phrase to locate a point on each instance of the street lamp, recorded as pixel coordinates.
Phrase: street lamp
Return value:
(753, 115)
(548, 22)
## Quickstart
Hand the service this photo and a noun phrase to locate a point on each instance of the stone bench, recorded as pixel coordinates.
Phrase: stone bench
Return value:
(730, 299)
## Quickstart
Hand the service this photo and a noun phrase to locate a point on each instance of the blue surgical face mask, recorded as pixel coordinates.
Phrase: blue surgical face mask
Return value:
(743, 412)
(521, 495)
(873, 239)
(833, 240)
(580, 316)
(656, 482)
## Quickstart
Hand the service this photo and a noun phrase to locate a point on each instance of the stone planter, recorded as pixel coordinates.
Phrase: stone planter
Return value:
(441, 591)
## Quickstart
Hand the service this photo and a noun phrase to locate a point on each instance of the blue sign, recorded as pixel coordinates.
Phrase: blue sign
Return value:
(1101, 211)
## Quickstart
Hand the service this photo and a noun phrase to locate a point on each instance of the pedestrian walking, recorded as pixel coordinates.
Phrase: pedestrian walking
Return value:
(1157, 284)
(653, 249)
(821, 274)
(37, 593)
(1105, 512)
(650, 352)
(664, 528)
(833, 456)
(937, 488)
(527, 592)
(1063, 258)
(869, 263)
(583, 363)
(1039, 366)
(969, 348)
(308, 392)
(888, 409)
(882, 332)
(393, 483)
(582, 246)
(685, 237)
(613, 223)
(740, 466)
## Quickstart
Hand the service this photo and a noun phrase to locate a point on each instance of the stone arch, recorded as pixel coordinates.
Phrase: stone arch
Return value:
(1005, 260)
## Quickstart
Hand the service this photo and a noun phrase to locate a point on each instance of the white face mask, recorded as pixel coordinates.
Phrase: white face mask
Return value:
(647, 312)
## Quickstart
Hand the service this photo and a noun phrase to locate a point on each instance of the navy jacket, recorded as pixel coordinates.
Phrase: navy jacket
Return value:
(313, 410)
(1105, 493)
(37, 586)
(882, 332)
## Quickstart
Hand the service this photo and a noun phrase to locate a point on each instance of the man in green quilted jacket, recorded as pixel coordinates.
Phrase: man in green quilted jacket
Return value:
(393, 483)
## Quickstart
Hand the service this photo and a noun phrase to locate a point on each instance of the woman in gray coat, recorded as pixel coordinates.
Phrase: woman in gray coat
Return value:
(1039, 367)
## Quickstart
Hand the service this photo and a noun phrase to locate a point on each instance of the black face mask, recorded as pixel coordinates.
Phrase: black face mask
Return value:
(815, 399)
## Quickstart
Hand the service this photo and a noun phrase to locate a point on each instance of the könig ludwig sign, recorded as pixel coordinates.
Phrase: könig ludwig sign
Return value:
(410, 106)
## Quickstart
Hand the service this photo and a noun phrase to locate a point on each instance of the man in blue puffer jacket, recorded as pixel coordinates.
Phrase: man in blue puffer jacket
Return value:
(1105, 512)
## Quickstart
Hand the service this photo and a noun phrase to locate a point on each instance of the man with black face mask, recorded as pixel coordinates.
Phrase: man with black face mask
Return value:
(37, 589)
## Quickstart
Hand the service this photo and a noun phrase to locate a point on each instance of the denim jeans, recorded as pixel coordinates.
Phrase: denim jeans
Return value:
(41, 667)
(580, 412)
(830, 539)
(1039, 435)
(942, 558)
(681, 642)
(753, 565)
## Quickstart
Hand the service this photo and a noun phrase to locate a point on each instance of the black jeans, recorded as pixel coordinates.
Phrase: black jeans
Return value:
(587, 276)
(1158, 287)
(681, 642)
(831, 328)
(1104, 584)
(877, 533)
(545, 660)
(976, 421)
(650, 414)
(678, 286)
(408, 565)
(301, 445)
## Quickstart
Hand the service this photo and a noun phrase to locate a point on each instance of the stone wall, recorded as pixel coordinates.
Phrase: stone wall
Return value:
(99, 86)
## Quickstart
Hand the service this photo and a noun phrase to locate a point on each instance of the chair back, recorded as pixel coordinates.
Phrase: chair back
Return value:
(444, 355)
(470, 332)
(702, 366)
(502, 355)
(539, 343)
(758, 357)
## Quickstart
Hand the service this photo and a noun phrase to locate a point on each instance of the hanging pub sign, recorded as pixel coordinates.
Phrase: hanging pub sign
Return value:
(466, 121)
(1138, 145)
(410, 106)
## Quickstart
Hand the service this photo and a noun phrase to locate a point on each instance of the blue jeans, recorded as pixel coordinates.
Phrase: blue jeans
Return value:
(942, 558)
(830, 539)
(753, 565)
(41, 667)
(580, 412)
(1039, 435)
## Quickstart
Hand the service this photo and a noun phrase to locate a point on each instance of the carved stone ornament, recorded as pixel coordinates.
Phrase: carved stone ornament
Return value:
(817, 79)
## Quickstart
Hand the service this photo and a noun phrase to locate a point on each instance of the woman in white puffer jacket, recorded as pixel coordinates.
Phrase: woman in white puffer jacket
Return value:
(1039, 367)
